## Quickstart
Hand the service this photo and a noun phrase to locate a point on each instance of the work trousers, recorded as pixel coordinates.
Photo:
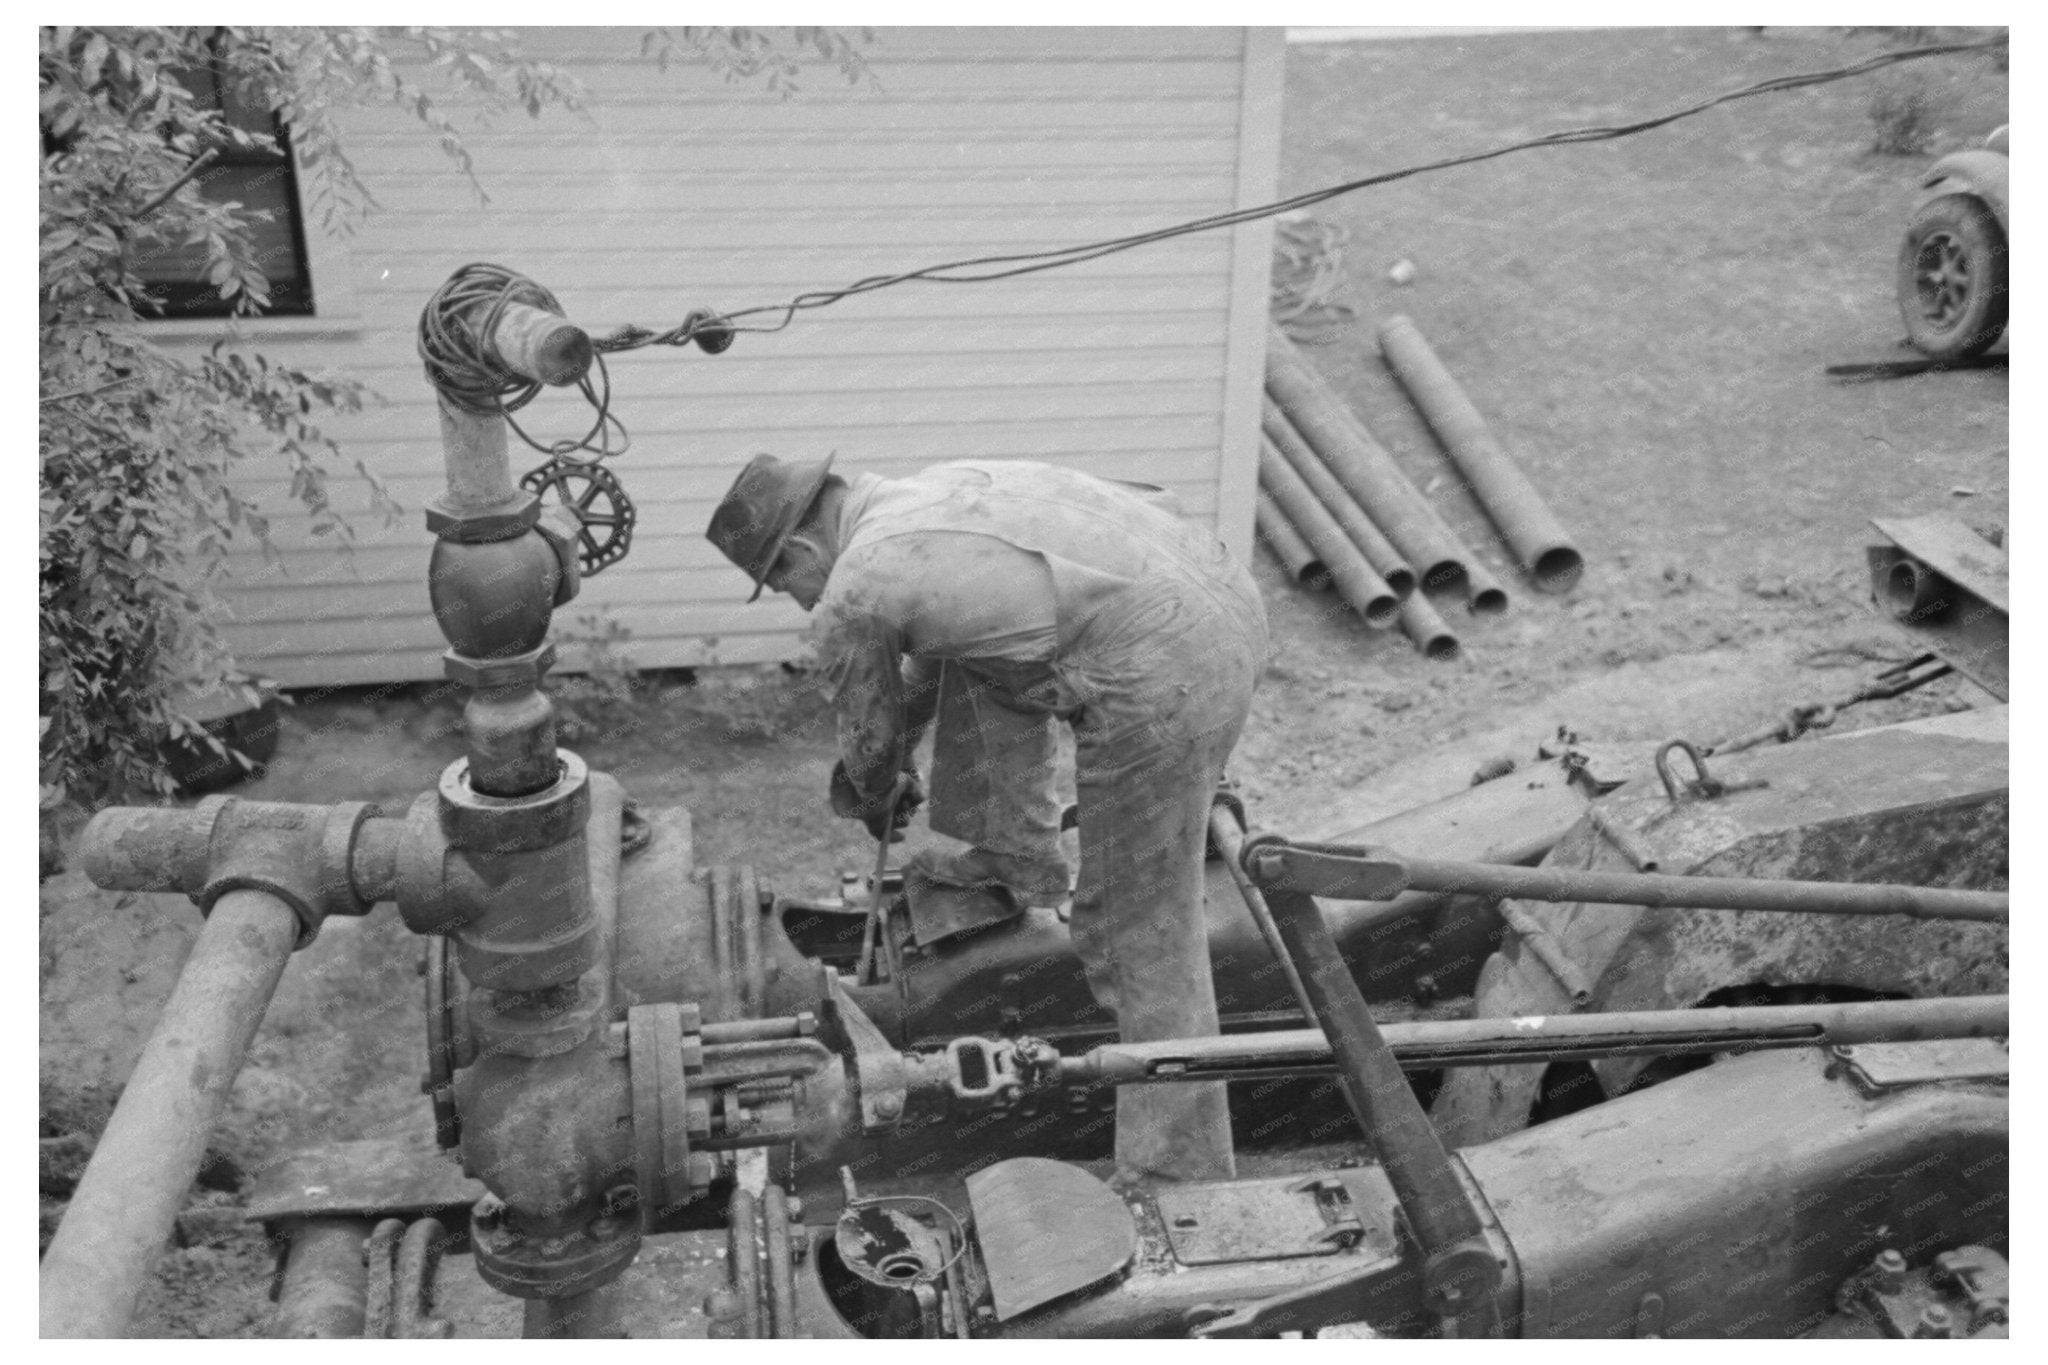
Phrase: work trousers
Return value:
(1156, 689)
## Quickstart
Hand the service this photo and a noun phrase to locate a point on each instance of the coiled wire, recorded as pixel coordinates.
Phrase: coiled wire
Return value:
(455, 334)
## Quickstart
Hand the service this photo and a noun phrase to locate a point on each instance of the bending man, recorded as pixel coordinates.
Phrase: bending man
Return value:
(1005, 598)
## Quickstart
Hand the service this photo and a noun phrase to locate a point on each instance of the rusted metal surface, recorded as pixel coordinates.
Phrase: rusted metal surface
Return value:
(1742, 1195)
(1880, 1066)
(407, 1176)
(1379, 552)
(1459, 1273)
(1046, 1230)
(1923, 801)
(1526, 522)
(324, 1290)
(1354, 579)
(122, 1211)
(1270, 1220)
(1367, 874)
(1336, 434)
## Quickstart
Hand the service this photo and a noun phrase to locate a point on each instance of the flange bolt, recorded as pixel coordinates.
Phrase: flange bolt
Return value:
(1890, 1268)
(1935, 1322)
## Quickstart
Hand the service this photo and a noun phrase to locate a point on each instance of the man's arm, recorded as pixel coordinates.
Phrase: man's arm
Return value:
(860, 656)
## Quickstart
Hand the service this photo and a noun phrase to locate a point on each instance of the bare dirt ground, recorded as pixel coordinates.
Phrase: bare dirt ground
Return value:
(1645, 322)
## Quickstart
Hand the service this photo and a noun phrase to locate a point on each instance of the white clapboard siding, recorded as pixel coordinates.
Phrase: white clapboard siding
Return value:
(674, 190)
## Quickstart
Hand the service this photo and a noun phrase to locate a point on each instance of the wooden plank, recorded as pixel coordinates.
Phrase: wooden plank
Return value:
(1258, 145)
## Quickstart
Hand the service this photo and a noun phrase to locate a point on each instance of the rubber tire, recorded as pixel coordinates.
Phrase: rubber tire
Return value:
(1980, 321)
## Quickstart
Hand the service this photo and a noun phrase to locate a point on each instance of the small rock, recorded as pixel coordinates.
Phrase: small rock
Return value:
(1959, 491)
(1402, 272)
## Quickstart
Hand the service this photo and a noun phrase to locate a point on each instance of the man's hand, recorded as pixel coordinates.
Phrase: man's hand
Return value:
(907, 794)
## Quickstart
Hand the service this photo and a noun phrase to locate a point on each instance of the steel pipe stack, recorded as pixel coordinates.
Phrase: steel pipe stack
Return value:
(1379, 552)
(1366, 470)
(1287, 545)
(1362, 589)
(1539, 541)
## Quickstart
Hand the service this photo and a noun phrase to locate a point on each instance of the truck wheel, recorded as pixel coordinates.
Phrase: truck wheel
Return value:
(1952, 279)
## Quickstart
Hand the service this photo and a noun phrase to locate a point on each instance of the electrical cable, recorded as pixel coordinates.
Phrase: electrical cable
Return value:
(1030, 262)
(463, 311)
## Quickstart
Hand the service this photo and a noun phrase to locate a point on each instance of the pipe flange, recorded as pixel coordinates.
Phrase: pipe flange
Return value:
(529, 1266)
(485, 675)
(661, 1039)
(477, 823)
(514, 517)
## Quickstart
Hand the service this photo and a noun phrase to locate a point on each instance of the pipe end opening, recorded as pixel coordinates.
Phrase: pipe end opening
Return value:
(1443, 576)
(1557, 569)
(1488, 602)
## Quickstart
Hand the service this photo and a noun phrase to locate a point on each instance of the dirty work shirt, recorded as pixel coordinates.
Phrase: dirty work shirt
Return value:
(1010, 598)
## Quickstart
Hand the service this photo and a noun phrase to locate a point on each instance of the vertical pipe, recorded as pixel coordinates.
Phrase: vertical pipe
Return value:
(146, 1160)
(479, 466)
(1336, 434)
(1538, 539)
(1287, 545)
(1362, 589)
(1379, 552)
(587, 1317)
(325, 1290)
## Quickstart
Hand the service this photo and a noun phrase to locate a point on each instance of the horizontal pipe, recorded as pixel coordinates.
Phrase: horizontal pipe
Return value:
(1363, 590)
(542, 346)
(1368, 874)
(1336, 434)
(1372, 542)
(1539, 1039)
(1421, 623)
(1526, 522)
(122, 1212)
(1287, 545)
(324, 1291)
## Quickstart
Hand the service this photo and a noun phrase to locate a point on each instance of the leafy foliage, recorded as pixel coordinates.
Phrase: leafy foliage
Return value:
(137, 442)
(743, 54)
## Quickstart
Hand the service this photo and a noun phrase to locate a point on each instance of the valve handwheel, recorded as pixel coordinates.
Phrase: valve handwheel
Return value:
(594, 495)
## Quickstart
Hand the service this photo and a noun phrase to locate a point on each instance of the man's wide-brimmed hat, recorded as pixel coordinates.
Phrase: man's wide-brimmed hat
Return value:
(762, 508)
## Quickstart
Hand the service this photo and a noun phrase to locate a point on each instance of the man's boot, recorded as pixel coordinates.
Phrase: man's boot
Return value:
(1038, 881)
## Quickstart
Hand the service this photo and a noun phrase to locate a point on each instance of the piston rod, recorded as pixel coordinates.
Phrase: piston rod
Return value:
(1377, 874)
(1541, 1039)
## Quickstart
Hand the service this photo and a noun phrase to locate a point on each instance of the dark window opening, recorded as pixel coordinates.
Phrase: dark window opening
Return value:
(265, 184)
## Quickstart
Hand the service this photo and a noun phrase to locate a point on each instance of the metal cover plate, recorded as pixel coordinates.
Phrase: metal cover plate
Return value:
(1888, 1066)
(1264, 1220)
(1046, 1229)
(401, 1177)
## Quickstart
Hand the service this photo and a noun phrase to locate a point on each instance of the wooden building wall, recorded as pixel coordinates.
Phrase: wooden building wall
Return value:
(678, 190)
